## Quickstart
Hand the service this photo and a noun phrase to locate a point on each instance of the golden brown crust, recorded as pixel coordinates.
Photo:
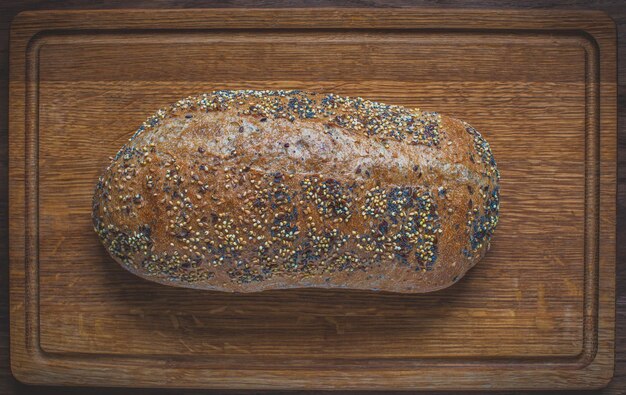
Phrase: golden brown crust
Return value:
(250, 190)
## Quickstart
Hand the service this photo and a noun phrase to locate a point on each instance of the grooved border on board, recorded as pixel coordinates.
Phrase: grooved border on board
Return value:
(592, 368)
(534, 38)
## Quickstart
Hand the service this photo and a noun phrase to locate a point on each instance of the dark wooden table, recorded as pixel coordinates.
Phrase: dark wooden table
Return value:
(8, 9)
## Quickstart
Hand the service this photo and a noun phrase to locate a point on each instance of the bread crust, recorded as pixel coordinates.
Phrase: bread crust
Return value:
(243, 191)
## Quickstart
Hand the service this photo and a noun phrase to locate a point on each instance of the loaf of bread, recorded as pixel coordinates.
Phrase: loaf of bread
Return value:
(244, 190)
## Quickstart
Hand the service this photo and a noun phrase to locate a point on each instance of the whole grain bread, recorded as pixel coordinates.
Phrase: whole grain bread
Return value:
(246, 190)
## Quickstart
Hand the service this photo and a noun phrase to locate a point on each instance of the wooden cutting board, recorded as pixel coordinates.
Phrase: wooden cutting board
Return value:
(537, 312)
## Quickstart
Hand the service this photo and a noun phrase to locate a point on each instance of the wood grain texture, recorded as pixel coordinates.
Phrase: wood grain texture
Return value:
(545, 291)
(554, 172)
(541, 306)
